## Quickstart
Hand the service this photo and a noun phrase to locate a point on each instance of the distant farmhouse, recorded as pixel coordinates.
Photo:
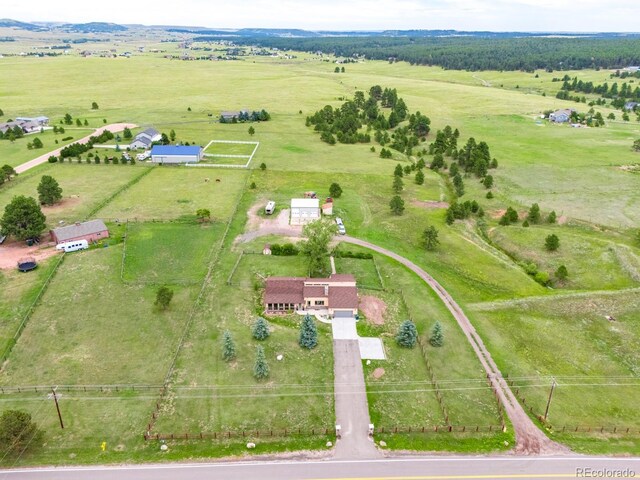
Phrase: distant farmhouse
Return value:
(145, 138)
(244, 116)
(26, 124)
(337, 295)
(304, 210)
(176, 154)
(629, 106)
(561, 116)
(91, 231)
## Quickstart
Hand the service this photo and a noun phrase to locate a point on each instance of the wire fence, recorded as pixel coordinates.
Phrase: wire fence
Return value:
(237, 434)
(21, 389)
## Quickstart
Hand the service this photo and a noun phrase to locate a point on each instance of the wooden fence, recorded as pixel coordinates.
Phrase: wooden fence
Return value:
(443, 429)
(277, 433)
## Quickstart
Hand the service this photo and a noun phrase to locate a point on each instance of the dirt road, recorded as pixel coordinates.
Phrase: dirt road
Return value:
(529, 438)
(114, 127)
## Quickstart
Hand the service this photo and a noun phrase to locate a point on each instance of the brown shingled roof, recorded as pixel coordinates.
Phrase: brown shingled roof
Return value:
(343, 297)
(284, 290)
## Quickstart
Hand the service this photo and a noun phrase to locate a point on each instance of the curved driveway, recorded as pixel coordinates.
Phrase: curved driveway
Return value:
(529, 438)
(113, 128)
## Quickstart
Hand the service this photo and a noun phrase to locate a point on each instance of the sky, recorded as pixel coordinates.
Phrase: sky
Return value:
(493, 15)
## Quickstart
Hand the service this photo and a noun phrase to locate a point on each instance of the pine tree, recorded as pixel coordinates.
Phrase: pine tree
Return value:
(397, 205)
(398, 172)
(562, 273)
(398, 184)
(308, 333)
(430, 238)
(407, 334)
(228, 346)
(551, 218)
(437, 337)
(419, 177)
(552, 242)
(534, 214)
(260, 329)
(260, 368)
(49, 191)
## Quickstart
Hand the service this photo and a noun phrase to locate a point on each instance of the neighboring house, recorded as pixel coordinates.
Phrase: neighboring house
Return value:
(40, 121)
(338, 294)
(176, 154)
(91, 231)
(561, 116)
(142, 142)
(304, 210)
(150, 133)
(629, 106)
(27, 126)
(227, 117)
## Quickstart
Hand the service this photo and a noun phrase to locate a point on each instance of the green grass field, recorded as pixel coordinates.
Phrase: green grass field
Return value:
(84, 187)
(170, 253)
(177, 192)
(90, 327)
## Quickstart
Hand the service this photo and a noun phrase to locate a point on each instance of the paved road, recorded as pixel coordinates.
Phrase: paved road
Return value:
(114, 127)
(352, 409)
(384, 469)
(529, 438)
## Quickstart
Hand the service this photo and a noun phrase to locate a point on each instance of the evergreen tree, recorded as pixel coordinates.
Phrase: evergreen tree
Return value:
(551, 218)
(252, 131)
(419, 177)
(398, 172)
(260, 368)
(18, 432)
(534, 214)
(397, 205)
(430, 238)
(407, 335)
(562, 273)
(489, 195)
(308, 333)
(437, 337)
(228, 346)
(335, 190)
(458, 185)
(22, 218)
(94, 106)
(398, 184)
(127, 133)
(49, 191)
(6, 172)
(263, 166)
(37, 143)
(260, 329)
(172, 135)
(552, 242)
(163, 297)
(488, 181)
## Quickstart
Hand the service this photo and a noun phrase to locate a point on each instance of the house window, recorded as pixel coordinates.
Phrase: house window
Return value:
(319, 302)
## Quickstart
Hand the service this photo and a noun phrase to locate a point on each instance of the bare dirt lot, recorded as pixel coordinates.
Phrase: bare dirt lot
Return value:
(11, 252)
(430, 204)
(258, 226)
(373, 308)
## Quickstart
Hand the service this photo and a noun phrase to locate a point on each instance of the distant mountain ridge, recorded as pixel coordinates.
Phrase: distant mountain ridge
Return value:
(9, 23)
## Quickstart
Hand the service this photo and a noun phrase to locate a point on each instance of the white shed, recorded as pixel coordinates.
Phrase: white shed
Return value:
(304, 210)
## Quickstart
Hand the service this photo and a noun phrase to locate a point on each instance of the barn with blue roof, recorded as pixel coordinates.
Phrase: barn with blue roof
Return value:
(175, 154)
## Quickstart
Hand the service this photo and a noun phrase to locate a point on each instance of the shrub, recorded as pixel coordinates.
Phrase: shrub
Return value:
(18, 432)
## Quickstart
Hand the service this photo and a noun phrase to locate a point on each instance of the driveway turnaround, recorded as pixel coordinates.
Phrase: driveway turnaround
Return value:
(352, 409)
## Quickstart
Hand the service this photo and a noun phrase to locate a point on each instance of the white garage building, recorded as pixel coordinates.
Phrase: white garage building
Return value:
(175, 154)
(304, 210)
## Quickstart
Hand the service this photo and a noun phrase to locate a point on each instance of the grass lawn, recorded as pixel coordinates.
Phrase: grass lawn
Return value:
(173, 253)
(593, 261)
(230, 148)
(18, 291)
(177, 192)
(84, 187)
(364, 271)
(595, 361)
(119, 339)
(209, 394)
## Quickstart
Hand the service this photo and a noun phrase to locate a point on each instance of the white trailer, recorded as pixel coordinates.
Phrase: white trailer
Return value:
(73, 246)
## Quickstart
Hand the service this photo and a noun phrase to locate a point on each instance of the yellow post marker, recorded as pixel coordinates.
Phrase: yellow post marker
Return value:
(103, 446)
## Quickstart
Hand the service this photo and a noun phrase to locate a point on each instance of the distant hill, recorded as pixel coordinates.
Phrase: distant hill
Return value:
(8, 23)
(94, 27)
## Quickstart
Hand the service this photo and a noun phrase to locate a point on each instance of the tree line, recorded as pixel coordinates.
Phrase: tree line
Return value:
(466, 53)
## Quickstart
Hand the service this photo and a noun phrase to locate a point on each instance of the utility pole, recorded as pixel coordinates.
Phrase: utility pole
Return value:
(55, 399)
(553, 387)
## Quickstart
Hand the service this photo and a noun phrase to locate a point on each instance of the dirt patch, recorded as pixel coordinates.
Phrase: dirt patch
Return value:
(373, 308)
(562, 219)
(258, 226)
(11, 252)
(378, 373)
(429, 204)
(65, 203)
